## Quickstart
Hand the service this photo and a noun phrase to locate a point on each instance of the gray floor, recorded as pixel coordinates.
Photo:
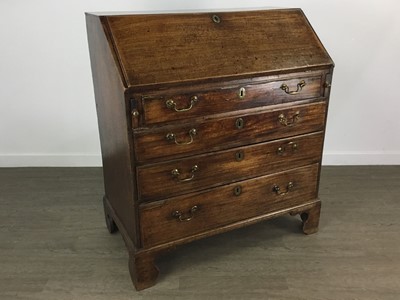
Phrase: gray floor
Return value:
(54, 244)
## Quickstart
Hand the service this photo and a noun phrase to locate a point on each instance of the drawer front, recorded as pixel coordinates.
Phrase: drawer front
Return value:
(183, 216)
(178, 105)
(217, 134)
(174, 178)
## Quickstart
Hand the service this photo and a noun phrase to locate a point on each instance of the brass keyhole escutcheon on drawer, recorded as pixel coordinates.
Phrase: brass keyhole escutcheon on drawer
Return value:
(216, 19)
(237, 190)
(239, 155)
(242, 93)
(239, 123)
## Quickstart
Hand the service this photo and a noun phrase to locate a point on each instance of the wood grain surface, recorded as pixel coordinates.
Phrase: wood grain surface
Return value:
(115, 136)
(222, 133)
(156, 181)
(225, 97)
(156, 49)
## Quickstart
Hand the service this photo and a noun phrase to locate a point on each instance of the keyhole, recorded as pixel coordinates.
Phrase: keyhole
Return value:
(242, 93)
(237, 190)
(239, 123)
(239, 156)
(216, 19)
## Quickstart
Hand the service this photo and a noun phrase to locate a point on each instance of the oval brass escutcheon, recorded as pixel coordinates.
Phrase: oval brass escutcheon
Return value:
(242, 93)
(239, 155)
(237, 190)
(216, 19)
(239, 123)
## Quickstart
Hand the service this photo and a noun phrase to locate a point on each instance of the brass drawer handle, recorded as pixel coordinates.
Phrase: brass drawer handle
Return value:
(300, 86)
(175, 173)
(284, 120)
(177, 214)
(171, 137)
(172, 105)
(282, 149)
(278, 191)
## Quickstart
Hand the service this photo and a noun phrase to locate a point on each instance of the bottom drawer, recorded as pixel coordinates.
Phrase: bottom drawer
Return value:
(179, 217)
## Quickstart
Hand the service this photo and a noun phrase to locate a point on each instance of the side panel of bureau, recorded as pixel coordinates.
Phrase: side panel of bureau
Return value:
(112, 120)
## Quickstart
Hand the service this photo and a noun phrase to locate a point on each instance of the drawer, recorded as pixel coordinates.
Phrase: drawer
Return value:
(181, 104)
(186, 215)
(177, 177)
(216, 134)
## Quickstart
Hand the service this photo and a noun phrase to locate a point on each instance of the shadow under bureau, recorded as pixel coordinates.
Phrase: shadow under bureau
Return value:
(208, 122)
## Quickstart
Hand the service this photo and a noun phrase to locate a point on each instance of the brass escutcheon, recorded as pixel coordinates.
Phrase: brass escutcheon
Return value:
(216, 19)
(239, 155)
(237, 190)
(242, 93)
(239, 123)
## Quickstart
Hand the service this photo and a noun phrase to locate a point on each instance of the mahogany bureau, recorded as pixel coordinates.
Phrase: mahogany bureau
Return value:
(208, 122)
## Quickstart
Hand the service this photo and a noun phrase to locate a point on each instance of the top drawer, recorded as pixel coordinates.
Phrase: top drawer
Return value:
(177, 104)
